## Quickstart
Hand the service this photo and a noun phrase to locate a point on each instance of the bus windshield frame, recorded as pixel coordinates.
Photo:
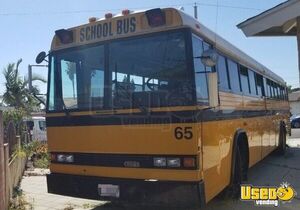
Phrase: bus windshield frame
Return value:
(121, 77)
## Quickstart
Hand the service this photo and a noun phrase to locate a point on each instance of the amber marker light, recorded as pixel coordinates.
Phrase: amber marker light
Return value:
(108, 15)
(92, 19)
(125, 12)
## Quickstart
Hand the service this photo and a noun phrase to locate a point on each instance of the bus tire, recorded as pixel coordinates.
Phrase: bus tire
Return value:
(240, 163)
(282, 139)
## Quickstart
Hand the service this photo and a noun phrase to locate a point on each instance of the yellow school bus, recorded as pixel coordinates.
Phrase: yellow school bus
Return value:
(154, 106)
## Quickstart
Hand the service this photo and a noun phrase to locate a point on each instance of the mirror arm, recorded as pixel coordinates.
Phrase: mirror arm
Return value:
(40, 100)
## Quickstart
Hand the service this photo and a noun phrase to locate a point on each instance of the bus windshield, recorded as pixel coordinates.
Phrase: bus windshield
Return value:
(149, 71)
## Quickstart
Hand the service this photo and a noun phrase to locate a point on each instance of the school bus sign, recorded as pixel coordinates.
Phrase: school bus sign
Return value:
(268, 195)
(102, 30)
(117, 27)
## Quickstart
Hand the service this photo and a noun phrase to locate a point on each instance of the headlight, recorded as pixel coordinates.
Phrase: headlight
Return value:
(173, 162)
(160, 162)
(69, 158)
(60, 158)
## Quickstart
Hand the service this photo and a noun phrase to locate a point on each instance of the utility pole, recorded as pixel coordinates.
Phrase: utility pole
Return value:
(195, 11)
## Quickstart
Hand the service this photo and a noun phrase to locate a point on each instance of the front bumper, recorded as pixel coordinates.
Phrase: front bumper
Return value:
(131, 190)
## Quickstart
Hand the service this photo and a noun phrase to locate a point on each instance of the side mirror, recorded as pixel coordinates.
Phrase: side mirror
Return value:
(213, 89)
(40, 57)
(209, 57)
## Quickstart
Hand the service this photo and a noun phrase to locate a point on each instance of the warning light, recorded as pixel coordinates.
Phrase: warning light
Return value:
(156, 17)
(108, 15)
(92, 19)
(125, 12)
(64, 36)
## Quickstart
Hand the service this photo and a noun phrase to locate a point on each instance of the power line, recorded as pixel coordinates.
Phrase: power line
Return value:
(119, 9)
(228, 6)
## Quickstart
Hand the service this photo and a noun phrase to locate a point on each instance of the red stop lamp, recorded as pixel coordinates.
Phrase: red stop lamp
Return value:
(64, 36)
(156, 17)
(189, 162)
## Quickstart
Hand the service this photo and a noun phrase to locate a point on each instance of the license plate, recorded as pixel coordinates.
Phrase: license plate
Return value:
(109, 190)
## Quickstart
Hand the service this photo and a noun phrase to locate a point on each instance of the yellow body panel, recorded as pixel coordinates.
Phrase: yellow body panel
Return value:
(122, 139)
(212, 143)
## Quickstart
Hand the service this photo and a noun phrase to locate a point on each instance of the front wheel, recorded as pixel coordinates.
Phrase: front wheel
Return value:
(233, 191)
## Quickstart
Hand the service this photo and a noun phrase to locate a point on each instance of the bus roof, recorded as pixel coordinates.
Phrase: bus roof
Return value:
(136, 23)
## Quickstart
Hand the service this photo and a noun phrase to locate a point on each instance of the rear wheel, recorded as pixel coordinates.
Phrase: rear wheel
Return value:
(233, 191)
(282, 140)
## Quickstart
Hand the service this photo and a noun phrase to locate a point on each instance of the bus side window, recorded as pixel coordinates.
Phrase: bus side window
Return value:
(266, 88)
(200, 75)
(223, 73)
(234, 76)
(244, 79)
(253, 83)
(259, 85)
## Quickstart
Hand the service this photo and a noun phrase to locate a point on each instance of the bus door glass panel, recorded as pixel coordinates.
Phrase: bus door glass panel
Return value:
(69, 83)
(150, 71)
(200, 72)
(51, 92)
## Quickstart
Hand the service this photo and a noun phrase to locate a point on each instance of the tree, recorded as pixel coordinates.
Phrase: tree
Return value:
(17, 94)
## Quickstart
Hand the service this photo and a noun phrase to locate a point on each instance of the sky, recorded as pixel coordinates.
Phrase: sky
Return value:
(27, 27)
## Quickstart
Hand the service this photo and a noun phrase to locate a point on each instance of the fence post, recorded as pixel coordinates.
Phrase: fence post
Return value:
(2, 173)
(6, 175)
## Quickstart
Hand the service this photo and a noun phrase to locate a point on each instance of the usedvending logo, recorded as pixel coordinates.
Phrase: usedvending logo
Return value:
(268, 196)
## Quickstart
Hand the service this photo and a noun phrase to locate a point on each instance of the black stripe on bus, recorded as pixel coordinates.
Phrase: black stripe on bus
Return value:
(156, 117)
(121, 160)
